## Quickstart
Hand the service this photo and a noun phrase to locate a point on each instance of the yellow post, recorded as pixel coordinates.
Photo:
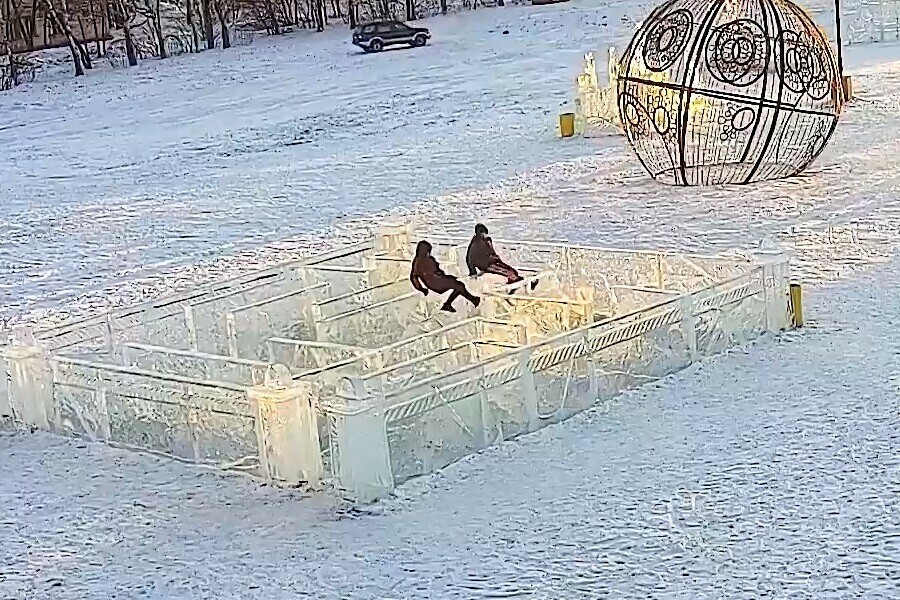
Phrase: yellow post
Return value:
(847, 87)
(567, 124)
(796, 305)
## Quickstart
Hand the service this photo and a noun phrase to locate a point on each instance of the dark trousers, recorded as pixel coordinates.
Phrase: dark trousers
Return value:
(440, 284)
(498, 267)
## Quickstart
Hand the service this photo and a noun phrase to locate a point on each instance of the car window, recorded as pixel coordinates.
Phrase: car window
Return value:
(383, 28)
(368, 29)
(399, 27)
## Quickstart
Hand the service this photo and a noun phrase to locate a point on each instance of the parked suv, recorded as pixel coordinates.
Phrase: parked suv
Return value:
(373, 37)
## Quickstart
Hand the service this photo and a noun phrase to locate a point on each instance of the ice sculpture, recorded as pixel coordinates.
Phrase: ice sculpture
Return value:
(718, 92)
(596, 105)
(332, 370)
(872, 21)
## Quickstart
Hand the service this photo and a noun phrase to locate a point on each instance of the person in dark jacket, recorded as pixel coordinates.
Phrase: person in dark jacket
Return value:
(426, 274)
(481, 256)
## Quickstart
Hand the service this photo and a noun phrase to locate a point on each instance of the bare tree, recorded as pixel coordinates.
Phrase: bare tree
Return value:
(208, 32)
(225, 13)
(189, 15)
(123, 14)
(60, 13)
(271, 14)
(150, 9)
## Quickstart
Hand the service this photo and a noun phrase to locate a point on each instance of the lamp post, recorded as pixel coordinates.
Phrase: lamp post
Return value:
(840, 55)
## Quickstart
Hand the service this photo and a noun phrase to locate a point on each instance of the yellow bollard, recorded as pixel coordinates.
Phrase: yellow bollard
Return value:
(847, 87)
(796, 305)
(567, 124)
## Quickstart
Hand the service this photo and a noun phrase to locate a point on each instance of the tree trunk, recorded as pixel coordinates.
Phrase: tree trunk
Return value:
(195, 38)
(76, 58)
(85, 55)
(158, 31)
(443, 7)
(83, 47)
(62, 21)
(226, 38)
(320, 22)
(273, 17)
(129, 47)
(410, 10)
(351, 13)
(208, 25)
(160, 39)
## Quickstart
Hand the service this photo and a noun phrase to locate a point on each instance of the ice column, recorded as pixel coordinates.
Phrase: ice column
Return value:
(30, 385)
(364, 468)
(5, 406)
(529, 391)
(286, 429)
(393, 246)
(689, 326)
(776, 280)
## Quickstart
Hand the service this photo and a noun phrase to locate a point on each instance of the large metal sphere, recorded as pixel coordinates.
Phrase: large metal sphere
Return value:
(728, 91)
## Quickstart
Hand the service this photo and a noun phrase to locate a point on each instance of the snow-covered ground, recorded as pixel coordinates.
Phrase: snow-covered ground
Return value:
(123, 174)
(771, 472)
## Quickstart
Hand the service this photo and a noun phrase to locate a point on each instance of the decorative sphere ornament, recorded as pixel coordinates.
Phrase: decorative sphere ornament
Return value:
(728, 91)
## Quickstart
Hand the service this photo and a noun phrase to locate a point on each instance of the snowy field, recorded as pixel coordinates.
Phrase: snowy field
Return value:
(128, 174)
(769, 472)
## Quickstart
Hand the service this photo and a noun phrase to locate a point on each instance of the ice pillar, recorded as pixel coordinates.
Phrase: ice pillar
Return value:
(5, 406)
(393, 251)
(30, 385)
(287, 431)
(776, 280)
(364, 465)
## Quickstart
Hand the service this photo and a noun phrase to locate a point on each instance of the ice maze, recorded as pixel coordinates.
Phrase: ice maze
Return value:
(332, 371)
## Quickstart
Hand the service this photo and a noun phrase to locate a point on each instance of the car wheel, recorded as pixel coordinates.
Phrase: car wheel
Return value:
(376, 46)
(420, 40)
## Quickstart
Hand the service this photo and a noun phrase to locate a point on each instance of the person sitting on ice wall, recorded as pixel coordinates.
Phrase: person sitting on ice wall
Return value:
(426, 274)
(481, 256)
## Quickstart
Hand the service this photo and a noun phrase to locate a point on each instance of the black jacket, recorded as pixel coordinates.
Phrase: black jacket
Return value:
(480, 254)
(425, 272)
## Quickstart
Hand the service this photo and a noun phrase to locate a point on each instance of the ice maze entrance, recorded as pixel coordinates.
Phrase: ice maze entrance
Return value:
(333, 371)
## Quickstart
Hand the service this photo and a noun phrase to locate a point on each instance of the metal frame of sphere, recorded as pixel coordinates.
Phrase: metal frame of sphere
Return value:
(728, 91)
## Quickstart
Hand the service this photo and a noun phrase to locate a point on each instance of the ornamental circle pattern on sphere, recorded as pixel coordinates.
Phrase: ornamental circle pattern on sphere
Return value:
(728, 91)
(738, 53)
(667, 40)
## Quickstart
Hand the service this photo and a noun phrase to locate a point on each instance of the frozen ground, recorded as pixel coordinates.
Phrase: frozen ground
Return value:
(769, 472)
(120, 184)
